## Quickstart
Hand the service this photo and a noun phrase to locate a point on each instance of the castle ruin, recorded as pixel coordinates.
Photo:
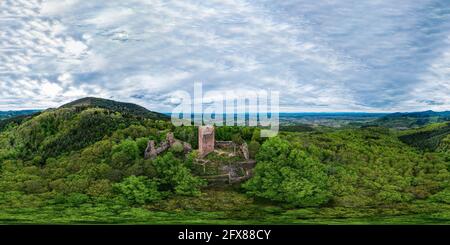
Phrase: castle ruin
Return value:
(206, 145)
(231, 173)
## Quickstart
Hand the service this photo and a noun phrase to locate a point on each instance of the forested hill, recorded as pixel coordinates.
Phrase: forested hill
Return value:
(72, 127)
(434, 137)
(124, 108)
(412, 119)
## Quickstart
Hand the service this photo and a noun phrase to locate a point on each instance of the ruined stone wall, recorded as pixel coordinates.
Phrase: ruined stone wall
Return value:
(152, 151)
(237, 149)
(225, 144)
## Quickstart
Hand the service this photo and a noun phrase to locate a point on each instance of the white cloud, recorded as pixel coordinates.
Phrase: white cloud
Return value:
(434, 90)
(56, 7)
(322, 55)
(110, 17)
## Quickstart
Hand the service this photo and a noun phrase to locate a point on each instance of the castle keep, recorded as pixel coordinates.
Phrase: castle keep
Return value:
(206, 140)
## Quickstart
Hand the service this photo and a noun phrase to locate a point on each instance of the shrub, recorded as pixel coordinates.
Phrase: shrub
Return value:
(442, 197)
(35, 186)
(177, 147)
(77, 199)
(100, 188)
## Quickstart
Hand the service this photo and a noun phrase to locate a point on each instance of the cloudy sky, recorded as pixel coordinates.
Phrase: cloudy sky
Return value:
(323, 55)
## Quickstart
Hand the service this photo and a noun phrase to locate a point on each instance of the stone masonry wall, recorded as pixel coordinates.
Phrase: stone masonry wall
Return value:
(206, 140)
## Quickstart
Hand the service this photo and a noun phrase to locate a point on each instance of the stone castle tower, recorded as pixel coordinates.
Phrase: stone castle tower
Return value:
(206, 140)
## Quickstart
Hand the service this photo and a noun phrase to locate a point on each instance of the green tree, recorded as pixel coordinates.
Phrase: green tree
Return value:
(236, 138)
(124, 154)
(288, 175)
(253, 148)
(187, 134)
(256, 135)
(142, 144)
(138, 190)
(175, 176)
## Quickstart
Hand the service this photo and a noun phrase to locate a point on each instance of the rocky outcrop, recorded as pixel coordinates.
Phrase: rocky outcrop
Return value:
(150, 152)
(244, 150)
(187, 147)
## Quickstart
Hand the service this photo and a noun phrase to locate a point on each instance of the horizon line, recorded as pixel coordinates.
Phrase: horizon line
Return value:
(281, 112)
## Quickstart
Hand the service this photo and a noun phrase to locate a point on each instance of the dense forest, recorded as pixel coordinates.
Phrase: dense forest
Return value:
(84, 163)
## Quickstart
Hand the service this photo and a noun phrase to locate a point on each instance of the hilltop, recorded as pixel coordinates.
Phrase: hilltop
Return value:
(128, 110)
(125, 108)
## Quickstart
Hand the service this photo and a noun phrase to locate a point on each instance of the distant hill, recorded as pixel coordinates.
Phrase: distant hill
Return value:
(124, 108)
(422, 114)
(10, 114)
(17, 117)
(412, 119)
